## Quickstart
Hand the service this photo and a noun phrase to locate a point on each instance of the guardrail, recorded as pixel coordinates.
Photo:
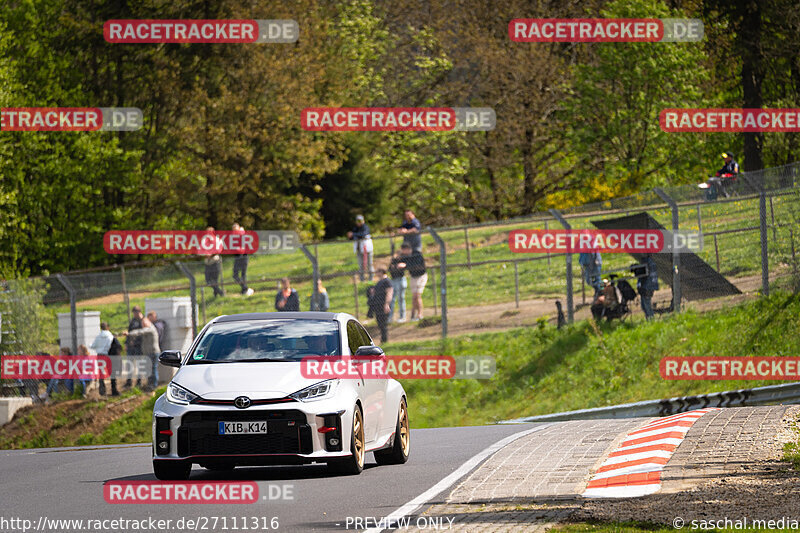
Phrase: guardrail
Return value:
(770, 395)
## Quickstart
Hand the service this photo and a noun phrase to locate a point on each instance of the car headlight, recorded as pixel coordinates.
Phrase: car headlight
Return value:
(179, 395)
(315, 392)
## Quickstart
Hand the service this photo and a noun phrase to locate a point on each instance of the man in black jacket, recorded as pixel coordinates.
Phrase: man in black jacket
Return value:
(380, 301)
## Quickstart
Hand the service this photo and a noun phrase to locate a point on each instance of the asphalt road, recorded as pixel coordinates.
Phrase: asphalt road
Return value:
(67, 483)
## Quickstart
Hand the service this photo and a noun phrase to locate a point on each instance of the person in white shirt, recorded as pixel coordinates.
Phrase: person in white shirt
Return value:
(100, 346)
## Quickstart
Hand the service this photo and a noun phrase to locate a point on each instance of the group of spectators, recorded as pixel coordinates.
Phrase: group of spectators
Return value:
(144, 337)
(606, 295)
(388, 294)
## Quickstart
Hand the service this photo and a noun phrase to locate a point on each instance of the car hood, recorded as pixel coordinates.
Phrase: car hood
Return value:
(226, 381)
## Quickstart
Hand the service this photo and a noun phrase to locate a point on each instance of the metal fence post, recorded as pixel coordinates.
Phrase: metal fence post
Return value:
(125, 291)
(516, 283)
(73, 312)
(443, 274)
(570, 305)
(314, 271)
(192, 293)
(433, 271)
(676, 257)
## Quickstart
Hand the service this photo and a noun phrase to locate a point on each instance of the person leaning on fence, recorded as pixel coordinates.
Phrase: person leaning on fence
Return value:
(213, 270)
(148, 337)
(240, 266)
(320, 300)
(362, 246)
(379, 302)
(287, 298)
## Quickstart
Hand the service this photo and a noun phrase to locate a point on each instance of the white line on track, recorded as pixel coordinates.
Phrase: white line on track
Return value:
(447, 482)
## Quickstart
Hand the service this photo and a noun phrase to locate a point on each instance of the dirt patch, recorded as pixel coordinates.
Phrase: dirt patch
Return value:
(61, 423)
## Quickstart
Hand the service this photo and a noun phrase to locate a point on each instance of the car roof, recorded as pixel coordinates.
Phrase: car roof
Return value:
(283, 315)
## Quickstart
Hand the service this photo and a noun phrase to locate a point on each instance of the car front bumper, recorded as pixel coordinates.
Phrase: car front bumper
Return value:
(293, 432)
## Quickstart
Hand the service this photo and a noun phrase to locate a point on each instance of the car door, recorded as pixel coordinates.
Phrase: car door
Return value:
(371, 389)
(375, 386)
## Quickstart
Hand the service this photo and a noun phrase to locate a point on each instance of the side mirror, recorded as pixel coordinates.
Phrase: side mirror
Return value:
(170, 358)
(368, 353)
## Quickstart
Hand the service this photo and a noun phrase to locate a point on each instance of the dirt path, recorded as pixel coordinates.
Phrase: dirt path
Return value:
(502, 316)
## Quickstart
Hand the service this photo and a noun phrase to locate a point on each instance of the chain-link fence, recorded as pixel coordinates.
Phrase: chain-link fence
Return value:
(750, 230)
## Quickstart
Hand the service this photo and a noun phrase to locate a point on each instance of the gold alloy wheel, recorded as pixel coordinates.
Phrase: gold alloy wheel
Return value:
(358, 438)
(405, 435)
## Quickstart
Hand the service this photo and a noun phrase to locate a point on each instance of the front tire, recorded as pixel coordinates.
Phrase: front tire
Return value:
(354, 464)
(172, 470)
(401, 445)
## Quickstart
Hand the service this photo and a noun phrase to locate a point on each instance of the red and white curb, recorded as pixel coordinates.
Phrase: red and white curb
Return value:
(634, 468)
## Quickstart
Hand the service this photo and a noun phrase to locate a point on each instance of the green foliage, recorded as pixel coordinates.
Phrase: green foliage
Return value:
(24, 317)
(619, 97)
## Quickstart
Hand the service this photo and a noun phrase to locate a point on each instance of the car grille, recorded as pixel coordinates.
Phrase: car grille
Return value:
(287, 433)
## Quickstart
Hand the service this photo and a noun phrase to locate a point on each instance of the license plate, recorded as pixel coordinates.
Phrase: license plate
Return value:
(242, 428)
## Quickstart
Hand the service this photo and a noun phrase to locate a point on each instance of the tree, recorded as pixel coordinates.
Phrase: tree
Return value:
(615, 103)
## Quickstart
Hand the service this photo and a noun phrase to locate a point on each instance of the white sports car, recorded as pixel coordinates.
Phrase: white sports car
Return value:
(240, 398)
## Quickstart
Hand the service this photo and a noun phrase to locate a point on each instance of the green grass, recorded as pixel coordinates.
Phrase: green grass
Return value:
(791, 450)
(546, 370)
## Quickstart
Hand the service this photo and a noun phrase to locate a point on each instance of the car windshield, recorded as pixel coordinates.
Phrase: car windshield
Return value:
(266, 340)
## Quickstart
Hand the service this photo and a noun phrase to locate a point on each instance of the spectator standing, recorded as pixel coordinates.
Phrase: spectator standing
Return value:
(287, 298)
(592, 265)
(102, 346)
(380, 303)
(397, 276)
(54, 384)
(240, 266)
(415, 264)
(161, 329)
(362, 246)
(148, 338)
(213, 266)
(83, 351)
(411, 230)
(133, 344)
(320, 300)
(647, 284)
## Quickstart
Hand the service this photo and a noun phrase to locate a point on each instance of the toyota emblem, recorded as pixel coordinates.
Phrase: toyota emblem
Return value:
(242, 402)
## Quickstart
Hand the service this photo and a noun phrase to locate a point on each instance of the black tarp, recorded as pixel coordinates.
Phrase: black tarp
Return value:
(698, 279)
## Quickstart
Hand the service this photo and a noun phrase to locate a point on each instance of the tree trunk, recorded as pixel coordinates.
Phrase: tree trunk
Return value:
(752, 78)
